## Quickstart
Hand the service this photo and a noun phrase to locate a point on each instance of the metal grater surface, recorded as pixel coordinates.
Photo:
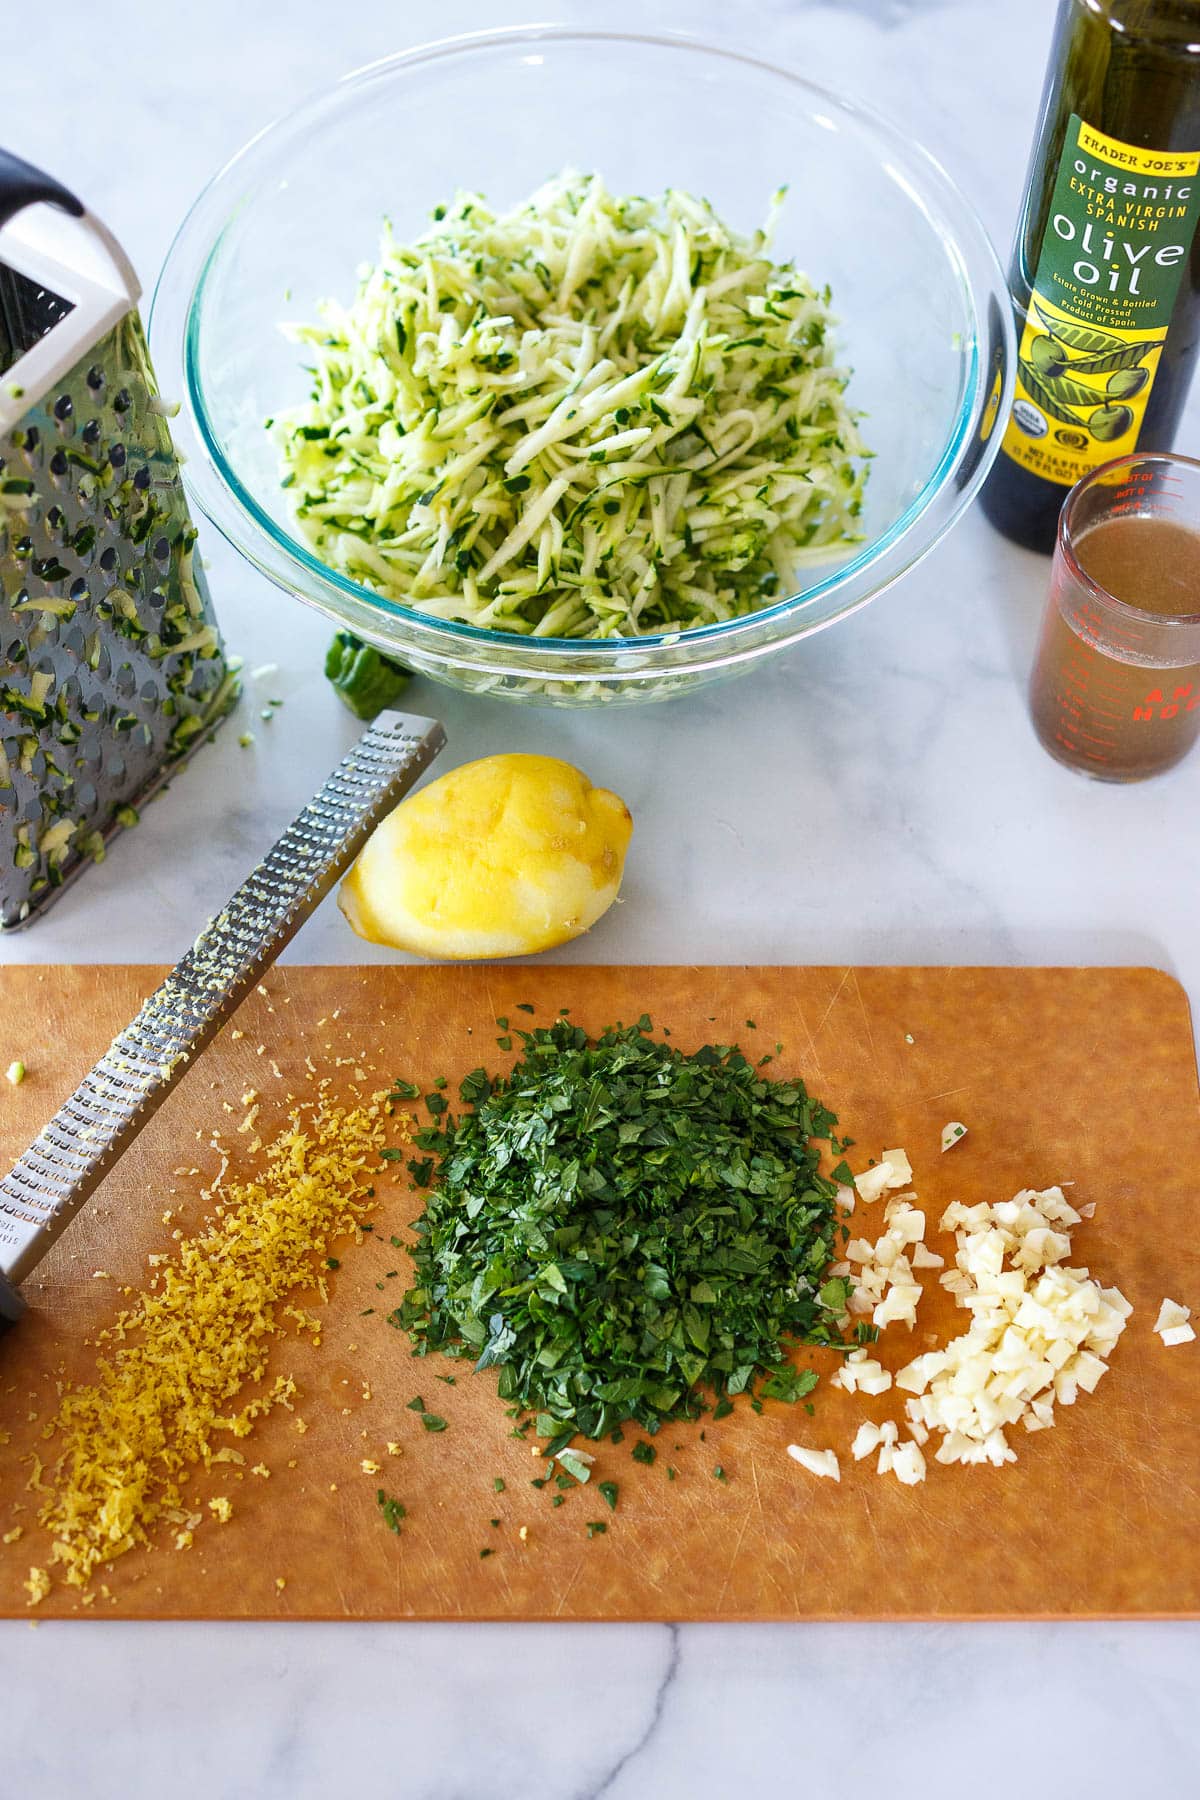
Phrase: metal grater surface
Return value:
(27, 312)
(111, 665)
(63, 1167)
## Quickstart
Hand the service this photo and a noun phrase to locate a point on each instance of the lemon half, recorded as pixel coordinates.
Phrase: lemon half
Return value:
(501, 857)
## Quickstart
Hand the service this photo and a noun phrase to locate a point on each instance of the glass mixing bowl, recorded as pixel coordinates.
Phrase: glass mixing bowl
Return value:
(923, 314)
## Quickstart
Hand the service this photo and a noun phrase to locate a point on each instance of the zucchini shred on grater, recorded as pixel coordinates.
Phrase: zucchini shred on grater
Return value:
(112, 668)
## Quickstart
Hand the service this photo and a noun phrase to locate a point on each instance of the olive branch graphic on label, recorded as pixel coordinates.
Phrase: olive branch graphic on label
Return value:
(1052, 371)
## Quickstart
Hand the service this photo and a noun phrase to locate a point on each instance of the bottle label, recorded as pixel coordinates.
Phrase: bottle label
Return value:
(1121, 225)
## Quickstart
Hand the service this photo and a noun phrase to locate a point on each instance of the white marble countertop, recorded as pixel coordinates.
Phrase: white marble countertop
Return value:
(945, 835)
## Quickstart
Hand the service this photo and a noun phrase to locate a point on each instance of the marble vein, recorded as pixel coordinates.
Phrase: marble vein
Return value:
(629, 1758)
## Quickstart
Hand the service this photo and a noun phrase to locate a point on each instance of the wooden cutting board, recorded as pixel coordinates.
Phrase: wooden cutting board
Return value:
(1083, 1075)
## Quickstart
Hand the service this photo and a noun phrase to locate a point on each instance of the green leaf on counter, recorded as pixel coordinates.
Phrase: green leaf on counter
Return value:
(363, 678)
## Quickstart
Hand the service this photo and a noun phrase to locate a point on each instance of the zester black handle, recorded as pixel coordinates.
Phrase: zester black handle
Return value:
(22, 185)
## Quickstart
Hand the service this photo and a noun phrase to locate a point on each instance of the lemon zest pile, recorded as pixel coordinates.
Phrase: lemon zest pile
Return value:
(187, 1349)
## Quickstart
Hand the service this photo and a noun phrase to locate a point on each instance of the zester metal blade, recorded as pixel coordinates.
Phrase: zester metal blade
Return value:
(67, 1162)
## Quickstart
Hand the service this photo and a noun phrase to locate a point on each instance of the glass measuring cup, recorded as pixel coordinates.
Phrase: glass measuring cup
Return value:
(1115, 690)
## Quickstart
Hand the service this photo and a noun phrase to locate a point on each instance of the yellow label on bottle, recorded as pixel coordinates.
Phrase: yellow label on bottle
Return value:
(1080, 393)
(1163, 165)
(1121, 224)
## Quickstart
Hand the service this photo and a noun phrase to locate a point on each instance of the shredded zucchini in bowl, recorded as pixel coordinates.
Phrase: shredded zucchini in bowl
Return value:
(589, 417)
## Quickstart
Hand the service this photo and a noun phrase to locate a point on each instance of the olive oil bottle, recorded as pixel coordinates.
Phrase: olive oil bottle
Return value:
(1105, 274)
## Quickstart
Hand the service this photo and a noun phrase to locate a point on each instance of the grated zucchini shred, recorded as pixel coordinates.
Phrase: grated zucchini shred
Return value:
(588, 417)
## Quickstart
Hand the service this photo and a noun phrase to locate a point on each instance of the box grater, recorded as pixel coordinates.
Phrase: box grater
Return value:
(111, 665)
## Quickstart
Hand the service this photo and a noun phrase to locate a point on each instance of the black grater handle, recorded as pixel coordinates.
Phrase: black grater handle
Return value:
(22, 185)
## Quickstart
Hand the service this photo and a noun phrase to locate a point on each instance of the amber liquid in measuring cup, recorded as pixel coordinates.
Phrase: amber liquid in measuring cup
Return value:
(1120, 719)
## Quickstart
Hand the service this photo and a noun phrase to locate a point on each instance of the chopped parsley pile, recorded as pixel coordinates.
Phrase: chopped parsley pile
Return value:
(627, 1231)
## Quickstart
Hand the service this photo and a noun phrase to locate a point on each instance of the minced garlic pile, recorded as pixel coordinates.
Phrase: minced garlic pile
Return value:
(187, 1349)
(1040, 1332)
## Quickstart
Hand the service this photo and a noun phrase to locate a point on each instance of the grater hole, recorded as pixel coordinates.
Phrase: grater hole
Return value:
(141, 480)
(79, 591)
(56, 518)
(122, 401)
(58, 463)
(162, 550)
(86, 795)
(150, 692)
(115, 767)
(95, 378)
(91, 432)
(116, 456)
(63, 407)
(109, 560)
